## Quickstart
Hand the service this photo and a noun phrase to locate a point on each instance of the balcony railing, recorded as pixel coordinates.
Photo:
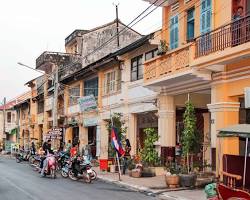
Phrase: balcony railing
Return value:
(167, 64)
(53, 57)
(230, 35)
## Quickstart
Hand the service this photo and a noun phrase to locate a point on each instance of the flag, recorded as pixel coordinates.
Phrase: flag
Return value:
(116, 142)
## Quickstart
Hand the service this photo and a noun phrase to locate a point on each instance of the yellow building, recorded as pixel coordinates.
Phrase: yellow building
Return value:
(208, 49)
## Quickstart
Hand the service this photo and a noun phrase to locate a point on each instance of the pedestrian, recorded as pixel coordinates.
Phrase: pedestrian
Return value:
(47, 150)
(33, 148)
(237, 26)
(126, 155)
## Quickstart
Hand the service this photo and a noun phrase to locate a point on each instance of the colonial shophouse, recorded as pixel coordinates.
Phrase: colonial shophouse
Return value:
(208, 56)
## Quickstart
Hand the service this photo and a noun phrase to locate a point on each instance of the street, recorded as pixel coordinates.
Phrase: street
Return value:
(19, 181)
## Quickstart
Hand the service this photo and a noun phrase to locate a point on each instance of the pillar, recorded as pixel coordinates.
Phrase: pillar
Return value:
(83, 136)
(223, 114)
(166, 125)
(104, 140)
(132, 133)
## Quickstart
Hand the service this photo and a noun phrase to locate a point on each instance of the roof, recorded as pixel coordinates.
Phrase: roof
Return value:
(83, 32)
(17, 100)
(239, 130)
(135, 44)
(112, 56)
(33, 80)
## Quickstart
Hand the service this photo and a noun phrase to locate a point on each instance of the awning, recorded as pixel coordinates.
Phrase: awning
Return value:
(239, 130)
(13, 131)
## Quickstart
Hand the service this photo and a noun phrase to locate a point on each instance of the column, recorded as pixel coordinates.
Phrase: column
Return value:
(83, 136)
(104, 140)
(223, 114)
(132, 133)
(166, 124)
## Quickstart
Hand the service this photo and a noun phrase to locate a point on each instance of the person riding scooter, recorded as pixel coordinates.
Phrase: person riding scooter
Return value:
(47, 151)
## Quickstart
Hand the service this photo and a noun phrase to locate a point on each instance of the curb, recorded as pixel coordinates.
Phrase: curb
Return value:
(128, 186)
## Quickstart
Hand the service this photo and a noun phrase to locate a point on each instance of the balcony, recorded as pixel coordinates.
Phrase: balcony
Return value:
(72, 36)
(48, 103)
(40, 118)
(51, 58)
(166, 65)
(230, 41)
(172, 72)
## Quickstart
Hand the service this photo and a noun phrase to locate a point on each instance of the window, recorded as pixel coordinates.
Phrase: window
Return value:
(136, 68)
(74, 94)
(112, 81)
(13, 117)
(190, 24)
(9, 117)
(174, 32)
(205, 17)
(40, 107)
(91, 87)
(151, 54)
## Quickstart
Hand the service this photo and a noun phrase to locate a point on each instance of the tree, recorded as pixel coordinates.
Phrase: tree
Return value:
(189, 133)
(149, 154)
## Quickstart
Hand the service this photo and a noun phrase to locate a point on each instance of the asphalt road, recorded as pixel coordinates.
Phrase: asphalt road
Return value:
(19, 182)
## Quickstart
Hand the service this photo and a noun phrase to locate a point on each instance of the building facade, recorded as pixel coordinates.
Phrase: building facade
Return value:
(207, 57)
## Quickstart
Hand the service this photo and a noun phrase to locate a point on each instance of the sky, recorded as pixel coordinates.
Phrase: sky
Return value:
(29, 27)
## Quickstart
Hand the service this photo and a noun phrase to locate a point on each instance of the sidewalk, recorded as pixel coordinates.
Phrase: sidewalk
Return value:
(152, 186)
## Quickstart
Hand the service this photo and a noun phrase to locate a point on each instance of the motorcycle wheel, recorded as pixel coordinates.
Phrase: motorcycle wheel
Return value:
(53, 173)
(71, 175)
(64, 174)
(18, 160)
(31, 160)
(87, 177)
(93, 175)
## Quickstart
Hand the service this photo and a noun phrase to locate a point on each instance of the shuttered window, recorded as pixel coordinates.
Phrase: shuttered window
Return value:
(205, 17)
(174, 32)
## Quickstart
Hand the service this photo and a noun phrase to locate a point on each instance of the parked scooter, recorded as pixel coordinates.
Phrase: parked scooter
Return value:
(23, 156)
(80, 170)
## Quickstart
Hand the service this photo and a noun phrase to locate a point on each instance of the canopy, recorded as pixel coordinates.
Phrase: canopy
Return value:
(239, 130)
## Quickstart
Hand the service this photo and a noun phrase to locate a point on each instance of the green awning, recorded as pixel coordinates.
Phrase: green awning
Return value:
(239, 130)
(13, 131)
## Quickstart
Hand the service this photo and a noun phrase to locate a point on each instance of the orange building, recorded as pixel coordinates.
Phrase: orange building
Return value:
(205, 53)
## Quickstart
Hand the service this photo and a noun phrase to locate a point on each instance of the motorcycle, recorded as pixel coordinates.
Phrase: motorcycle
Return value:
(92, 172)
(80, 170)
(51, 167)
(65, 168)
(23, 156)
(62, 157)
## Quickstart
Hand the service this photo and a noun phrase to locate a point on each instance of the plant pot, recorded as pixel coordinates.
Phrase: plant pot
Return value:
(159, 171)
(112, 168)
(148, 172)
(188, 180)
(172, 181)
(136, 173)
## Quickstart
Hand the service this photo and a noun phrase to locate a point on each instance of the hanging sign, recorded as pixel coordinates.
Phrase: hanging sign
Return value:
(87, 103)
(55, 133)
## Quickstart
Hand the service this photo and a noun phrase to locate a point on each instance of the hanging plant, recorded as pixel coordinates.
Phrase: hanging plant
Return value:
(162, 48)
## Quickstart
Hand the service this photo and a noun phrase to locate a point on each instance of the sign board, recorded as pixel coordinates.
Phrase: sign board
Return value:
(247, 97)
(90, 121)
(55, 133)
(87, 103)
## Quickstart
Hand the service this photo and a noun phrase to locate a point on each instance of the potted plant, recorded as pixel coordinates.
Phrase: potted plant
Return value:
(172, 178)
(162, 48)
(189, 142)
(149, 154)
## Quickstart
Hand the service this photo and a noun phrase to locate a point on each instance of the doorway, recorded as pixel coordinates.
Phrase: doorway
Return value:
(75, 135)
(92, 140)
